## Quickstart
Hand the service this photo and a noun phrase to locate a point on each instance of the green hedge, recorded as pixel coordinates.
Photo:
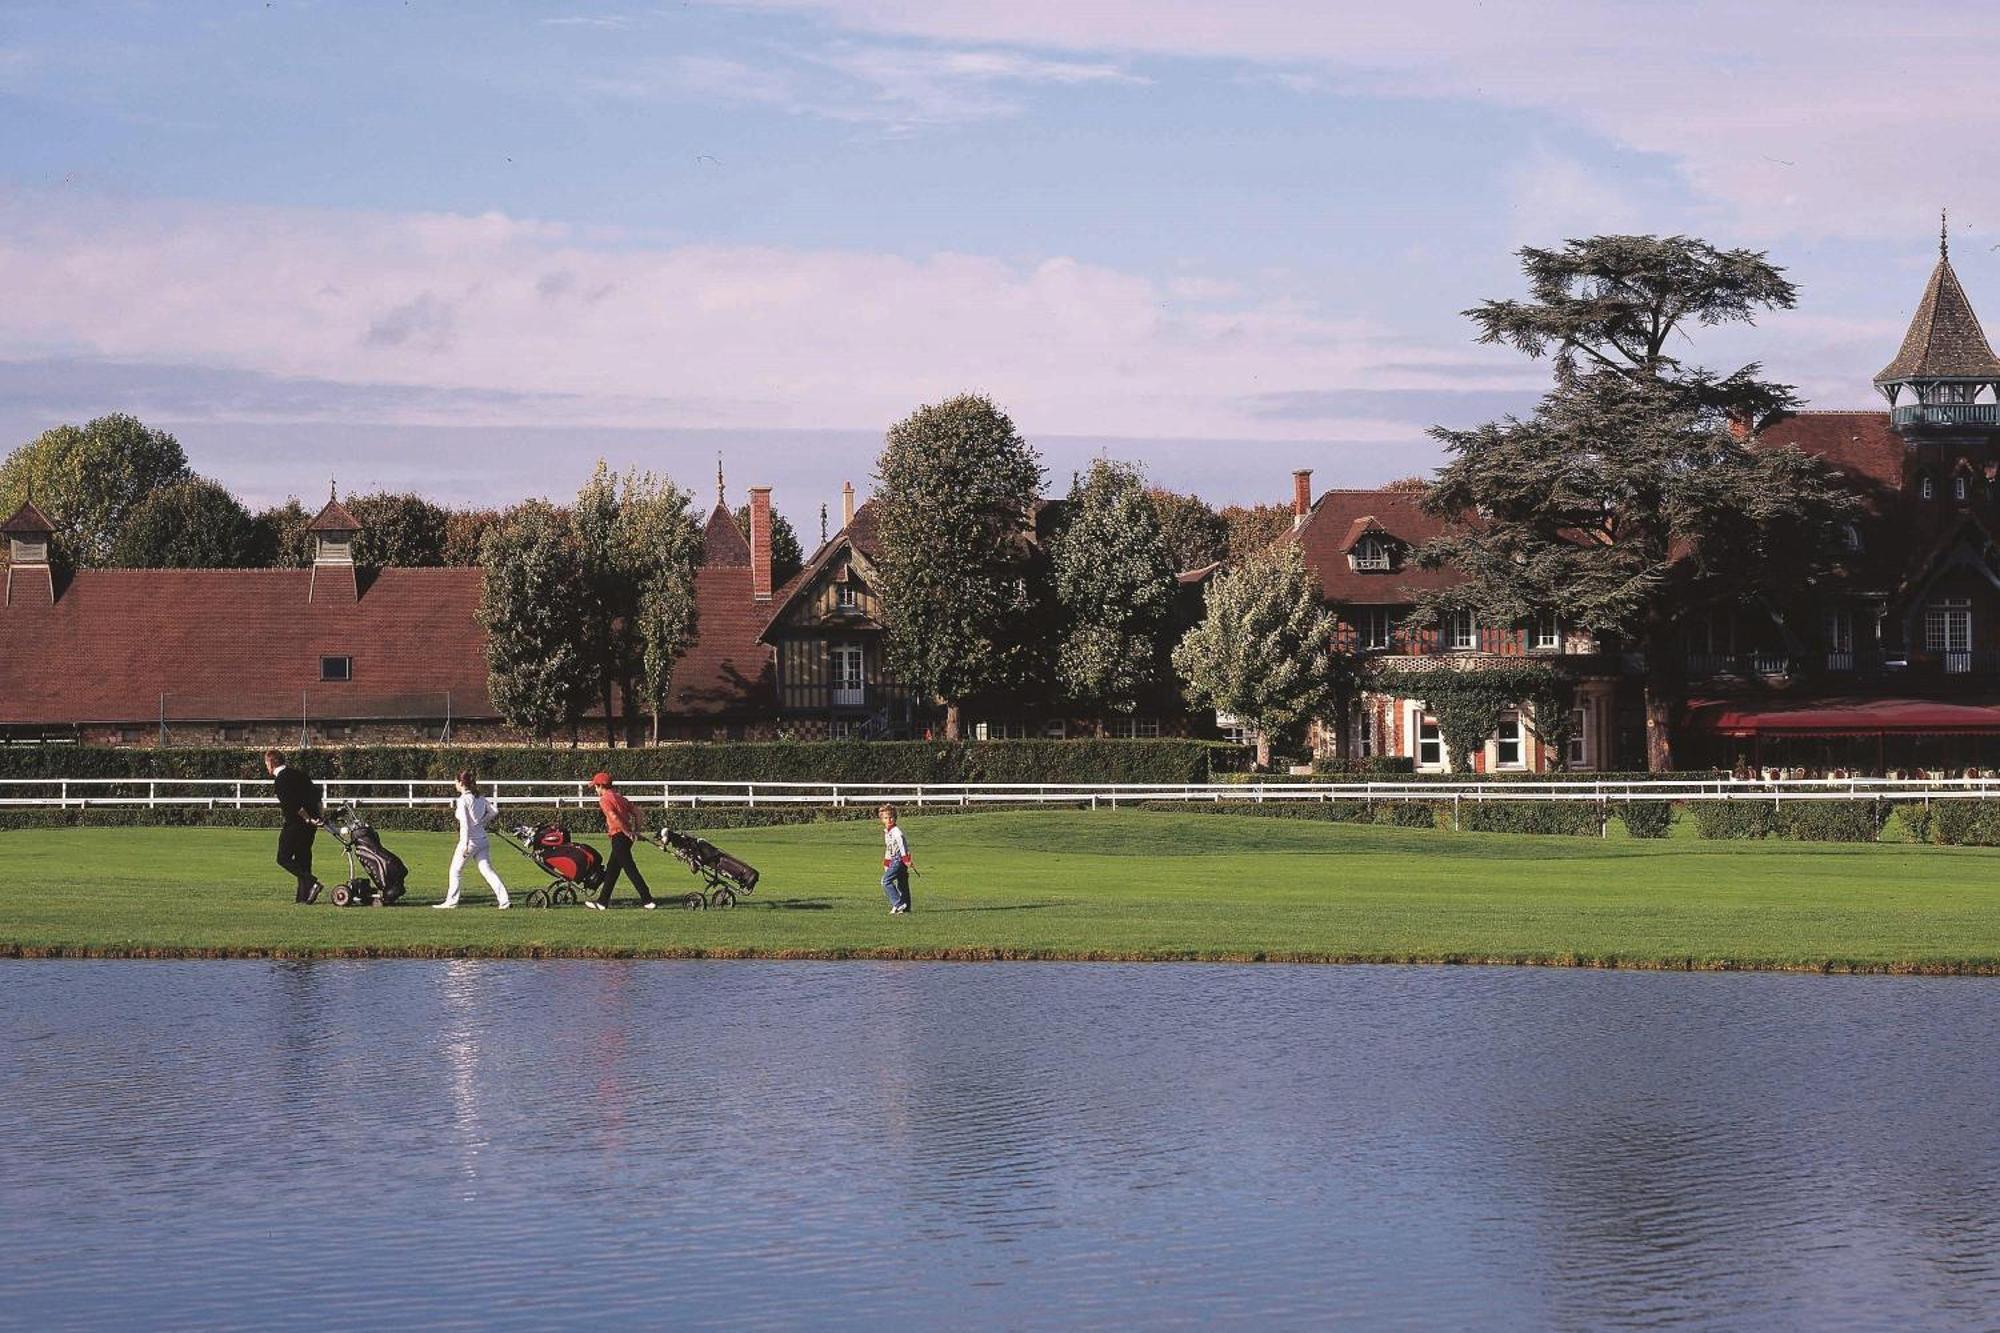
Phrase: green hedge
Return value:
(1577, 818)
(1832, 821)
(1964, 823)
(1154, 761)
(1918, 820)
(584, 823)
(1647, 819)
(1733, 819)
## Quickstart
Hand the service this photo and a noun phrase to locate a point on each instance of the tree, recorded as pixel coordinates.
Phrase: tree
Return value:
(193, 524)
(279, 537)
(464, 531)
(88, 479)
(1115, 584)
(1264, 650)
(786, 557)
(955, 487)
(639, 546)
(1412, 485)
(398, 530)
(532, 582)
(1626, 503)
(1196, 536)
(1252, 528)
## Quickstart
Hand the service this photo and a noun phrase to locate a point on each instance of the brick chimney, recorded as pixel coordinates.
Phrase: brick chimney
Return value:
(846, 505)
(760, 543)
(31, 579)
(1302, 495)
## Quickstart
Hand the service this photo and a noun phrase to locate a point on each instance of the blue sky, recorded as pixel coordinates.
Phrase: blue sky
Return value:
(471, 247)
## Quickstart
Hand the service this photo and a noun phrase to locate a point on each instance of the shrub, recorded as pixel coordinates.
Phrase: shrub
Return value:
(1965, 823)
(1733, 819)
(1918, 821)
(1647, 819)
(1831, 821)
(1577, 818)
(1403, 814)
(1375, 766)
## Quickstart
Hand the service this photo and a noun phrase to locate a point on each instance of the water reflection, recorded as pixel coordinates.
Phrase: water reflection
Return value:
(857, 1144)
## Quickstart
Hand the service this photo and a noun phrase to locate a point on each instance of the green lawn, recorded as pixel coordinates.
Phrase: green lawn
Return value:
(1067, 885)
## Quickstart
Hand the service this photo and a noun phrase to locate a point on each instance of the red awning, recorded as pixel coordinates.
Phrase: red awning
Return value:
(1844, 717)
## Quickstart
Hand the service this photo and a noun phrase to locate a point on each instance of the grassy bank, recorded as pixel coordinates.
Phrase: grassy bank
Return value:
(1126, 885)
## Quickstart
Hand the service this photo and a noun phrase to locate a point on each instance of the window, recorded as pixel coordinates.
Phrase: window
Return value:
(1959, 488)
(1547, 633)
(846, 597)
(843, 728)
(1461, 631)
(1850, 537)
(1839, 626)
(336, 668)
(1507, 742)
(1579, 738)
(1430, 743)
(1948, 626)
(1371, 552)
(1364, 735)
(1927, 488)
(850, 680)
(999, 731)
(1377, 627)
(235, 731)
(1132, 728)
(1055, 730)
(1234, 730)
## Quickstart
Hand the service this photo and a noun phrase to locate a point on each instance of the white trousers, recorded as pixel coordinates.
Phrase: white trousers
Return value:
(478, 856)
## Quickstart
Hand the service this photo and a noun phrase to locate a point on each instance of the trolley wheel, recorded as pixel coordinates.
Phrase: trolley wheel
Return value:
(342, 895)
(722, 897)
(563, 894)
(536, 898)
(694, 902)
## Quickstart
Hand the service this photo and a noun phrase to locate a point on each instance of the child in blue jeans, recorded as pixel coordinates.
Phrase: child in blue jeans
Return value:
(896, 863)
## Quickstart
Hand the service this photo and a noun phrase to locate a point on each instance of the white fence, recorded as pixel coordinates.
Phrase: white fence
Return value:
(233, 794)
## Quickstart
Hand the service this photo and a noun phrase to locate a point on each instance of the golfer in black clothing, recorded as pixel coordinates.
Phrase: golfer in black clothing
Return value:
(298, 798)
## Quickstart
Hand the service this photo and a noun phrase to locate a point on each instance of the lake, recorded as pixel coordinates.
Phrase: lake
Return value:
(354, 1144)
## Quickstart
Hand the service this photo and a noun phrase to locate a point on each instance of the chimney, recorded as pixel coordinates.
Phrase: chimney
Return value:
(846, 505)
(1740, 426)
(1302, 495)
(760, 543)
(31, 579)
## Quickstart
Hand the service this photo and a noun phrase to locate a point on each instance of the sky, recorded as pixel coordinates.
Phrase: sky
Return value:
(471, 248)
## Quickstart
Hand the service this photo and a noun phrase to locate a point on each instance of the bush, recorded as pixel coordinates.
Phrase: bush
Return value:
(1647, 819)
(1831, 821)
(1576, 818)
(1918, 821)
(1375, 766)
(1965, 823)
(1733, 819)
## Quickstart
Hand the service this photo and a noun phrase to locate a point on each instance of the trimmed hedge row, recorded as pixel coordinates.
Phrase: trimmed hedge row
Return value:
(585, 823)
(1143, 761)
(1801, 821)
(1957, 823)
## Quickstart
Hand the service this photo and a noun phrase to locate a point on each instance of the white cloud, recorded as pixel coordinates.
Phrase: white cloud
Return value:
(519, 322)
(1810, 117)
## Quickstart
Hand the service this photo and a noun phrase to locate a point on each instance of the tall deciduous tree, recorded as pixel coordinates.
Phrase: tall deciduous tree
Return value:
(194, 524)
(955, 489)
(786, 557)
(1114, 582)
(464, 530)
(640, 547)
(1264, 650)
(1252, 528)
(1626, 502)
(280, 537)
(532, 582)
(398, 530)
(1195, 534)
(88, 479)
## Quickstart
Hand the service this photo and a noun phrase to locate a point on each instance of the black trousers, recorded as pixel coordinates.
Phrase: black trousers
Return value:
(295, 854)
(621, 863)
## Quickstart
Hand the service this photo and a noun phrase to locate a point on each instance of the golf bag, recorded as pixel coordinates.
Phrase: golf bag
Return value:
(375, 874)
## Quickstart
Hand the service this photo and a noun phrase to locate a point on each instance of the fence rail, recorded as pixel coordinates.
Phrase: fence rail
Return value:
(234, 794)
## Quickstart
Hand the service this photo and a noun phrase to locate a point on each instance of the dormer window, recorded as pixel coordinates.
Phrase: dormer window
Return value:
(1959, 488)
(846, 597)
(1371, 552)
(1926, 488)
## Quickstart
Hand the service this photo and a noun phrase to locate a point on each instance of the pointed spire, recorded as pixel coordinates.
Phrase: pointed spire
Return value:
(822, 522)
(1945, 341)
(721, 495)
(1944, 238)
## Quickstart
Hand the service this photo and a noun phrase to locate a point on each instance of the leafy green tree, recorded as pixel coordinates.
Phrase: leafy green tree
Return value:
(399, 530)
(1264, 650)
(1114, 582)
(640, 547)
(193, 524)
(279, 536)
(464, 530)
(1195, 534)
(1252, 528)
(1626, 503)
(786, 557)
(533, 578)
(88, 479)
(955, 489)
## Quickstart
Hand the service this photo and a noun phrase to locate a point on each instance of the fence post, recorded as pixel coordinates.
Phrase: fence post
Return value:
(1456, 827)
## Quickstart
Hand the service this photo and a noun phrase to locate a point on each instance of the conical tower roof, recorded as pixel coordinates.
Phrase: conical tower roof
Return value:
(27, 521)
(1945, 340)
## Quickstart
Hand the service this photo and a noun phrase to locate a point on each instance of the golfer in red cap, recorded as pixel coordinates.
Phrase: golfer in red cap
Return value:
(622, 822)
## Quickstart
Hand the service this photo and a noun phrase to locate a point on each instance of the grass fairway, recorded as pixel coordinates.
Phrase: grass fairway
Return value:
(1124, 885)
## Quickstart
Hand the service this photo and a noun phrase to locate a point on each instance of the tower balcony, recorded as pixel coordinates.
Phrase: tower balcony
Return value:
(1945, 414)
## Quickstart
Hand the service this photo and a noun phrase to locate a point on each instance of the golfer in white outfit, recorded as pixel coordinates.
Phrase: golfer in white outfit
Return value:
(473, 812)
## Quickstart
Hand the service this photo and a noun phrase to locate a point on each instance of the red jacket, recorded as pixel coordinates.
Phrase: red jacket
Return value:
(620, 816)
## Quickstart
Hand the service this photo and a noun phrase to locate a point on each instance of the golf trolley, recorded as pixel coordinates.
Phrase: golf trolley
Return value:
(726, 877)
(375, 874)
(575, 867)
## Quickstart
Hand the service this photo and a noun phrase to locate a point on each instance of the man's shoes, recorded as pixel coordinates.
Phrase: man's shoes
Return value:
(443, 906)
(649, 904)
(899, 909)
(503, 906)
(593, 903)
(312, 894)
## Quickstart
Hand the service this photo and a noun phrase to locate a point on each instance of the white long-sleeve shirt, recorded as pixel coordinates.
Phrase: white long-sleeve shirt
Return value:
(473, 811)
(894, 849)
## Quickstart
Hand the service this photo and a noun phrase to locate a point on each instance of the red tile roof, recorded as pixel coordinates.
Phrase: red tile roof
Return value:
(1339, 518)
(722, 542)
(1860, 444)
(727, 670)
(27, 521)
(333, 518)
(242, 644)
(1944, 339)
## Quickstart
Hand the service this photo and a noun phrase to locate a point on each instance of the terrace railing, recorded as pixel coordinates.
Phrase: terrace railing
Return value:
(415, 793)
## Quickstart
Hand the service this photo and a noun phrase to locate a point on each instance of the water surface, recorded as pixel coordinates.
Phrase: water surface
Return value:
(918, 1144)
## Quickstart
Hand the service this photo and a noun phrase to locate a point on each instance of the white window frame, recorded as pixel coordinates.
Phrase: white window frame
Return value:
(848, 672)
(1416, 717)
(1547, 633)
(846, 597)
(1959, 489)
(1839, 628)
(1371, 553)
(1055, 729)
(1850, 536)
(1948, 625)
(1461, 632)
(1518, 739)
(1926, 487)
(1579, 739)
(1364, 734)
(1377, 628)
